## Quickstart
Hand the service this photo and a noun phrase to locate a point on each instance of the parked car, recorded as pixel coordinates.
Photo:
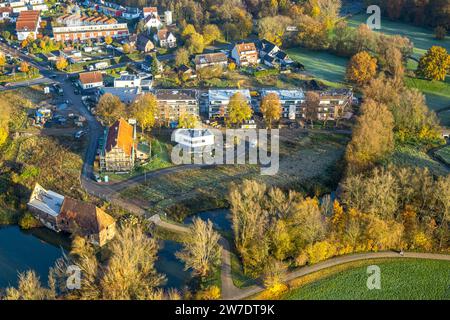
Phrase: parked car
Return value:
(79, 134)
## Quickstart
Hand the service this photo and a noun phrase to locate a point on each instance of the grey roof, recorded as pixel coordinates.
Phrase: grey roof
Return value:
(226, 94)
(293, 94)
(176, 94)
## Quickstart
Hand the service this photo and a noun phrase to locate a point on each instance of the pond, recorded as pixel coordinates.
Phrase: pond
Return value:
(24, 250)
(171, 266)
(221, 218)
(39, 248)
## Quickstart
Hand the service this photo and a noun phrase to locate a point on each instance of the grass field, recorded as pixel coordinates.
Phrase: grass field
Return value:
(444, 154)
(423, 38)
(410, 156)
(321, 65)
(437, 93)
(400, 279)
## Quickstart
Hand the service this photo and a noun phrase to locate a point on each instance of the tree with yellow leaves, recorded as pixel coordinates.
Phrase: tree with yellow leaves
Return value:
(2, 61)
(188, 121)
(435, 64)
(145, 111)
(271, 108)
(108, 40)
(239, 109)
(362, 68)
(372, 137)
(61, 63)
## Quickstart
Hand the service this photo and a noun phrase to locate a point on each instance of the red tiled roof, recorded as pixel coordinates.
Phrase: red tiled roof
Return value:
(242, 47)
(28, 20)
(120, 135)
(91, 77)
(150, 10)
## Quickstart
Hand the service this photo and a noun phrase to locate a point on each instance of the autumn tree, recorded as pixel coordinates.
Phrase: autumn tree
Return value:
(202, 252)
(361, 68)
(61, 63)
(195, 43)
(145, 110)
(110, 108)
(24, 67)
(126, 48)
(188, 121)
(239, 110)
(188, 31)
(127, 273)
(2, 61)
(312, 33)
(435, 64)
(181, 57)
(271, 108)
(211, 33)
(311, 106)
(30, 288)
(108, 40)
(372, 137)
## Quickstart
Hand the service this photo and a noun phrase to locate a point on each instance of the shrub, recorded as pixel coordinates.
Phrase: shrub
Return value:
(28, 221)
(210, 293)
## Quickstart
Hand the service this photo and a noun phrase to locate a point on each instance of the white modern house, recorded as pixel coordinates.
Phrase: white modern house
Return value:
(132, 81)
(218, 100)
(194, 140)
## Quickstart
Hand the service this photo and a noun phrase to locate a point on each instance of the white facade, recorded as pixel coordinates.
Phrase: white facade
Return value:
(218, 100)
(193, 140)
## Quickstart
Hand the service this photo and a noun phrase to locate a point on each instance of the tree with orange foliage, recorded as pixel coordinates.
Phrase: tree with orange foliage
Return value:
(362, 68)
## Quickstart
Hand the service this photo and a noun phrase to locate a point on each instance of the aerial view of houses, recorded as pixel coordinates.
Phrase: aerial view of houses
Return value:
(224, 150)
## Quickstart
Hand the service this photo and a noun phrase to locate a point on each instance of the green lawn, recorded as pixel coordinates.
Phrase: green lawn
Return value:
(400, 279)
(436, 92)
(444, 154)
(320, 64)
(409, 156)
(423, 38)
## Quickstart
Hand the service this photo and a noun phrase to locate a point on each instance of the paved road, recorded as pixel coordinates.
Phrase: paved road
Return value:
(247, 292)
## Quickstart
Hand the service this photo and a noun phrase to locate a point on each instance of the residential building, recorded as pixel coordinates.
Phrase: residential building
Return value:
(89, 80)
(132, 81)
(271, 55)
(72, 55)
(126, 95)
(218, 100)
(5, 13)
(245, 54)
(131, 13)
(119, 151)
(27, 24)
(194, 140)
(173, 103)
(77, 27)
(186, 72)
(167, 18)
(66, 214)
(165, 39)
(151, 18)
(144, 44)
(333, 103)
(292, 102)
(146, 65)
(210, 59)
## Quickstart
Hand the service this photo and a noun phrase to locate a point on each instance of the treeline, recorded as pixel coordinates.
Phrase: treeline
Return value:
(386, 208)
(430, 13)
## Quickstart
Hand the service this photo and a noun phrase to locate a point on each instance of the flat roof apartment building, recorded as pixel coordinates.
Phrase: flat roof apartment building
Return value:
(292, 102)
(218, 100)
(80, 27)
(173, 103)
